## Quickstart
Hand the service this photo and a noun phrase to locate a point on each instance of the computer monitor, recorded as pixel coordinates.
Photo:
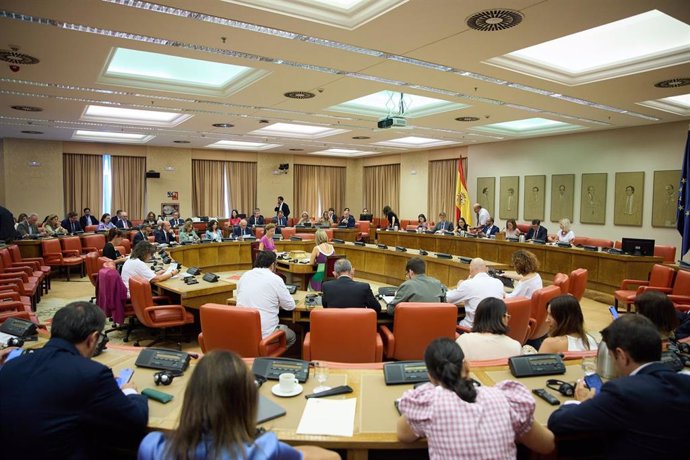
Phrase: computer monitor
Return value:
(637, 247)
(368, 217)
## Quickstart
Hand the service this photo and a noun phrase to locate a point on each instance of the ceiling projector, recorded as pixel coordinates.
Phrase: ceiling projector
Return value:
(392, 122)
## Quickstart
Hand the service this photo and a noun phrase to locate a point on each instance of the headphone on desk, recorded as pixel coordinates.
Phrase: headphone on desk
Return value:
(15, 342)
(165, 377)
(564, 388)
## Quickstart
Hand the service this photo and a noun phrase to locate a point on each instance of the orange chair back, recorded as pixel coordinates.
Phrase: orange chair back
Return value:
(94, 241)
(416, 324)
(71, 243)
(287, 232)
(364, 226)
(538, 311)
(224, 327)
(600, 242)
(140, 294)
(51, 249)
(259, 232)
(580, 240)
(91, 228)
(681, 286)
(524, 228)
(562, 281)
(330, 265)
(519, 309)
(127, 245)
(105, 262)
(15, 253)
(346, 335)
(5, 258)
(661, 276)
(306, 236)
(92, 266)
(578, 282)
(667, 252)
(255, 250)
(329, 233)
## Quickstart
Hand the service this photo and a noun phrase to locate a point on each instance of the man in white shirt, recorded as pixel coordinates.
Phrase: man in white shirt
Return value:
(262, 289)
(477, 287)
(482, 214)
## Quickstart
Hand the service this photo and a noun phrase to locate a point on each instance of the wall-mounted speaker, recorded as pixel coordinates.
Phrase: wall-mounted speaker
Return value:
(153, 175)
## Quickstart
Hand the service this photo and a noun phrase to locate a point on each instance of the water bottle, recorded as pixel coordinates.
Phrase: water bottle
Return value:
(521, 238)
(605, 367)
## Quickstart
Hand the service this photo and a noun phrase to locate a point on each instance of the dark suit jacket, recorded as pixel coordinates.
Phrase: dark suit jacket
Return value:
(237, 231)
(58, 404)
(121, 224)
(67, 225)
(488, 231)
(542, 234)
(282, 222)
(139, 237)
(345, 292)
(177, 222)
(350, 221)
(163, 238)
(83, 221)
(446, 225)
(285, 208)
(641, 416)
(7, 231)
(252, 221)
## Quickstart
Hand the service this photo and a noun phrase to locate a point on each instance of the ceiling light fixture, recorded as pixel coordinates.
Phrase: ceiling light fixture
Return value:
(361, 137)
(223, 125)
(181, 142)
(27, 108)
(299, 95)
(32, 132)
(493, 20)
(673, 83)
(467, 119)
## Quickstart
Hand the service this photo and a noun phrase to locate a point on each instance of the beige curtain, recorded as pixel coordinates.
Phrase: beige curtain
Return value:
(208, 188)
(318, 188)
(128, 179)
(382, 188)
(83, 182)
(242, 185)
(442, 177)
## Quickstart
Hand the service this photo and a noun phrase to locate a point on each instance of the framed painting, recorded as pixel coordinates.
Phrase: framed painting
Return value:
(628, 202)
(665, 198)
(593, 198)
(509, 201)
(167, 209)
(486, 193)
(535, 193)
(562, 197)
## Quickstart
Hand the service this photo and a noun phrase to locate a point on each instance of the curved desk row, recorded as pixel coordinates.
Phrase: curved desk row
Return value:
(606, 271)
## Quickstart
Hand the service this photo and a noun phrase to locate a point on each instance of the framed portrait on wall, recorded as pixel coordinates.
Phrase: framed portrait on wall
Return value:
(628, 200)
(535, 194)
(593, 198)
(167, 209)
(509, 202)
(486, 192)
(562, 197)
(665, 198)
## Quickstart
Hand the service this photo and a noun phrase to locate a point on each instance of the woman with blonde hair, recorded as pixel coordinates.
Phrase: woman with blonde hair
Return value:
(52, 226)
(319, 255)
(512, 230)
(187, 234)
(565, 235)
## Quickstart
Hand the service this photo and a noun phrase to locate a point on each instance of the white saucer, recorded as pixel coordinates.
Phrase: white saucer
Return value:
(276, 391)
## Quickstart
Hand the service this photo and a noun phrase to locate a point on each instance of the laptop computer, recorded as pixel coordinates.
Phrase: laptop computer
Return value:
(268, 410)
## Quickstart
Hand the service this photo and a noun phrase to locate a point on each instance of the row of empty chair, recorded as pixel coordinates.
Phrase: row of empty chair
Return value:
(676, 284)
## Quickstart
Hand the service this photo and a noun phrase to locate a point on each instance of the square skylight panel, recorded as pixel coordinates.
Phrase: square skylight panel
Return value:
(383, 103)
(242, 145)
(125, 115)
(636, 44)
(119, 137)
(341, 152)
(527, 127)
(144, 69)
(414, 142)
(680, 105)
(298, 131)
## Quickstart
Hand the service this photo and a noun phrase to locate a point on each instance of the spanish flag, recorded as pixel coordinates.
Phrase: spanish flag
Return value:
(463, 208)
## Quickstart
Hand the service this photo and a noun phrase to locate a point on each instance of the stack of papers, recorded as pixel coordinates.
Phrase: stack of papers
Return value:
(328, 417)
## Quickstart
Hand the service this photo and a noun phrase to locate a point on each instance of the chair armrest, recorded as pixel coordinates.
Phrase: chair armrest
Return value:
(11, 284)
(162, 300)
(70, 252)
(378, 354)
(388, 340)
(683, 308)
(171, 323)
(463, 329)
(642, 289)
(6, 296)
(679, 299)
(26, 270)
(31, 266)
(87, 249)
(15, 276)
(34, 259)
(11, 306)
(306, 347)
(53, 257)
(626, 283)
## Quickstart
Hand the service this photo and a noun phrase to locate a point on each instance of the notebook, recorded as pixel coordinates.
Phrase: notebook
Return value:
(268, 410)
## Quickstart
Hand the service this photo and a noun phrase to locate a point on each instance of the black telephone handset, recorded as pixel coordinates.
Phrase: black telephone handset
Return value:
(271, 368)
(163, 359)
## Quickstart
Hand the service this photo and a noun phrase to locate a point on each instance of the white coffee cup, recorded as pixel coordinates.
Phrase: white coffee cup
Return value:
(288, 382)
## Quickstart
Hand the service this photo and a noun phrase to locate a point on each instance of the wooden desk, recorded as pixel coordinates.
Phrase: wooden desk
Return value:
(606, 271)
(195, 295)
(345, 234)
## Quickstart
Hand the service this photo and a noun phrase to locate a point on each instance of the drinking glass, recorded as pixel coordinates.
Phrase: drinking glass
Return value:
(589, 365)
(321, 374)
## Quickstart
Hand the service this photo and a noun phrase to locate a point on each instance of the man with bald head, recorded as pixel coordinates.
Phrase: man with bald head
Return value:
(242, 230)
(482, 214)
(477, 287)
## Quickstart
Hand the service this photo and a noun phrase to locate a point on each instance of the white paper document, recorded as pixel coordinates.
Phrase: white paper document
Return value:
(328, 417)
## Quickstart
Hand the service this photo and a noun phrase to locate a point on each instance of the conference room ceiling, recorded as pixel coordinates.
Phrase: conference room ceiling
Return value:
(415, 47)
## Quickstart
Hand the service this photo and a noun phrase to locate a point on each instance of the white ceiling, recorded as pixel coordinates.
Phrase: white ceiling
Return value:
(71, 63)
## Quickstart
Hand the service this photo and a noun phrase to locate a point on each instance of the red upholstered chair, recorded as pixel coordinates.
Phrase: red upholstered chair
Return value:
(306, 236)
(578, 282)
(524, 228)
(661, 276)
(37, 262)
(411, 227)
(259, 232)
(92, 266)
(127, 245)
(22, 277)
(329, 233)
(73, 244)
(9, 291)
(680, 293)
(12, 306)
(237, 329)
(520, 325)
(255, 250)
(29, 268)
(91, 228)
(538, 312)
(415, 325)
(562, 281)
(155, 316)
(346, 335)
(667, 252)
(93, 243)
(580, 241)
(364, 227)
(287, 232)
(600, 242)
(56, 257)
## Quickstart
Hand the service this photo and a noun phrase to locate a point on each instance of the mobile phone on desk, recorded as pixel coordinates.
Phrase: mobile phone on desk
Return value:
(613, 311)
(124, 377)
(593, 381)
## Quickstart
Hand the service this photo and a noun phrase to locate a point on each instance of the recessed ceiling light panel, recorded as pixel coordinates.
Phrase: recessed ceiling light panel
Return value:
(348, 153)
(123, 115)
(298, 131)
(527, 127)
(415, 142)
(242, 145)
(386, 102)
(679, 105)
(119, 137)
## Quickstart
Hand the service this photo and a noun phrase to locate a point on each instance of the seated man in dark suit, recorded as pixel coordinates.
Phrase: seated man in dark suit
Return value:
(489, 229)
(280, 220)
(142, 234)
(536, 231)
(345, 292)
(347, 219)
(164, 234)
(71, 224)
(256, 218)
(641, 414)
(58, 403)
(123, 221)
(176, 220)
(87, 219)
(443, 225)
(242, 230)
